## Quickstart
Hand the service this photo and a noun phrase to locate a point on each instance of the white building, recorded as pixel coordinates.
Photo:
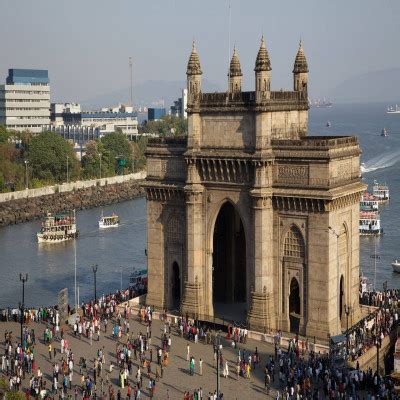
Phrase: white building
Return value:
(106, 121)
(57, 111)
(25, 100)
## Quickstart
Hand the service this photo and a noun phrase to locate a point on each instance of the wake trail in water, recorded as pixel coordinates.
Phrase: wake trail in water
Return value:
(381, 161)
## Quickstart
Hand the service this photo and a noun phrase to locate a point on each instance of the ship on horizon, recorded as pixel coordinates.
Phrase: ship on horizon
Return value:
(318, 103)
(393, 110)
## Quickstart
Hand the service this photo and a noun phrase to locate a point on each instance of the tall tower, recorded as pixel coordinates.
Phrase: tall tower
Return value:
(193, 73)
(263, 69)
(300, 71)
(235, 74)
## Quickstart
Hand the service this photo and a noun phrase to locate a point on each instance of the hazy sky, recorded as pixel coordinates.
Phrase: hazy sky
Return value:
(85, 44)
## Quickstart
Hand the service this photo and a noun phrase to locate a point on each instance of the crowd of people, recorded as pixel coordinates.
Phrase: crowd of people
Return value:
(140, 362)
(372, 329)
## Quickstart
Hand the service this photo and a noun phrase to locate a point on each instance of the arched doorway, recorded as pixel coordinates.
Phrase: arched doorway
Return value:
(229, 264)
(176, 286)
(294, 305)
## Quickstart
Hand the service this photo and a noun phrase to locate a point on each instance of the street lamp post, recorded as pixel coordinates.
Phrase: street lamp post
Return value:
(26, 174)
(384, 298)
(331, 230)
(378, 346)
(67, 169)
(100, 163)
(94, 269)
(23, 279)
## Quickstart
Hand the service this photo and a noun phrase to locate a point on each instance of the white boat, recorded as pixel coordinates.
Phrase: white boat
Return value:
(384, 132)
(396, 266)
(370, 223)
(369, 202)
(138, 281)
(393, 110)
(58, 228)
(109, 221)
(380, 192)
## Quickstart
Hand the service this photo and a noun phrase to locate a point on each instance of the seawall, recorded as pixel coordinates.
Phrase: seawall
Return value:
(27, 205)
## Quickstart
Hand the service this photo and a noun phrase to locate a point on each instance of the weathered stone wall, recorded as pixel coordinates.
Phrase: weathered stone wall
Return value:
(27, 209)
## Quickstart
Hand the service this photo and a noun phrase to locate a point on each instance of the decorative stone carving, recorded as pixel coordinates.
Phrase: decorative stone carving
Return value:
(293, 174)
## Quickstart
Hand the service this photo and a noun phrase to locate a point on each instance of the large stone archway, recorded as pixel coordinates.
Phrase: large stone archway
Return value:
(229, 274)
(251, 150)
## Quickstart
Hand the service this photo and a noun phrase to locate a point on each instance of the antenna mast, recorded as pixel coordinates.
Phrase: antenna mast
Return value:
(131, 79)
(229, 43)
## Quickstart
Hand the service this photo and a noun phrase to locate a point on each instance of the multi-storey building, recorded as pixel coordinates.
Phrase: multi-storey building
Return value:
(249, 218)
(180, 105)
(25, 100)
(69, 120)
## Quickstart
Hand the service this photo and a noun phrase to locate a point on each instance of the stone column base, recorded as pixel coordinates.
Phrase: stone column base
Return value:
(192, 300)
(260, 316)
(155, 301)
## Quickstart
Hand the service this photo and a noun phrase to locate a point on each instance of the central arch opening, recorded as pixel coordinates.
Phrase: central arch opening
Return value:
(294, 305)
(229, 264)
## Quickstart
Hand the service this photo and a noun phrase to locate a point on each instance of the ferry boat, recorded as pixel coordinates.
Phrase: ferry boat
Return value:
(381, 192)
(369, 202)
(58, 228)
(396, 265)
(384, 132)
(109, 221)
(138, 281)
(393, 110)
(370, 223)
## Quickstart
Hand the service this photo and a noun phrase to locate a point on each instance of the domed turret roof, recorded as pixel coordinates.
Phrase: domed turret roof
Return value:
(235, 69)
(193, 67)
(300, 63)
(262, 62)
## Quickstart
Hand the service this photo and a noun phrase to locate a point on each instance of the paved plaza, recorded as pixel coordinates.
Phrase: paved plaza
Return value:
(176, 378)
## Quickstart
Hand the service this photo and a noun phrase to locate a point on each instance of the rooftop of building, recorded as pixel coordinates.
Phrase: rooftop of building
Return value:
(27, 76)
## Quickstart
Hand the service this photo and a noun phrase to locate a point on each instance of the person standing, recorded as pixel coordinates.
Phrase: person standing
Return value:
(187, 352)
(128, 392)
(49, 348)
(201, 367)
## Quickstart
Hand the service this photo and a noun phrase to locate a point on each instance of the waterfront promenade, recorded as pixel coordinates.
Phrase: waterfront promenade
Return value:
(176, 379)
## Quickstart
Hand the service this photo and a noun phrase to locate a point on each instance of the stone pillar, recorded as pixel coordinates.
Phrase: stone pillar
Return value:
(194, 284)
(155, 253)
(261, 307)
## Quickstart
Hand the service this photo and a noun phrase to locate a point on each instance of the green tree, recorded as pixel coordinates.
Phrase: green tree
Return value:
(139, 149)
(11, 166)
(168, 125)
(116, 150)
(47, 154)
(91, 160)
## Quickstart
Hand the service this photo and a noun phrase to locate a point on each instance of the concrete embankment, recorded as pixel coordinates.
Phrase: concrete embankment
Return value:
(27, 205)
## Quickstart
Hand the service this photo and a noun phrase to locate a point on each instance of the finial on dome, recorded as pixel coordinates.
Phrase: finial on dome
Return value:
(235, 69)
(262, 61)
(193, 67)
(300, 63)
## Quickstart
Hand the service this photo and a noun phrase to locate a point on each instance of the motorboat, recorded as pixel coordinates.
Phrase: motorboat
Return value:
(396, 265)
(111, 221)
